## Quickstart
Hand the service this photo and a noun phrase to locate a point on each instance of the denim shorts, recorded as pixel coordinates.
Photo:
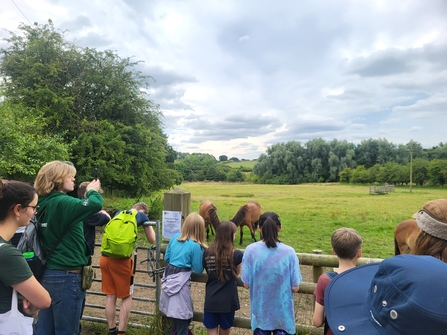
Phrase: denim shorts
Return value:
(67, 295)
(224, 320)
(270, 332)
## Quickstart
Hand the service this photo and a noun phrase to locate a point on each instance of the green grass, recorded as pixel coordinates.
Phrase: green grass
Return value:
(311, 212)
(244, 164)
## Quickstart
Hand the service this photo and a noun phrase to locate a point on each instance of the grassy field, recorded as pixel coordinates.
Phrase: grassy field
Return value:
(311, 212)
(244, 164)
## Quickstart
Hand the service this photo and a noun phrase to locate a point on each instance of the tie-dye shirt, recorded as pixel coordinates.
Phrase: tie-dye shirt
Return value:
(271, 273)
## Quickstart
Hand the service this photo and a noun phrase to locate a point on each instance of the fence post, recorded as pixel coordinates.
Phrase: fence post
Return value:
(157, 259)
(178, 200)
(317, 271)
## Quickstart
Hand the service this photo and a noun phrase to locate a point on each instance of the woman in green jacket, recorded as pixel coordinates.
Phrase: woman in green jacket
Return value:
(60, 219)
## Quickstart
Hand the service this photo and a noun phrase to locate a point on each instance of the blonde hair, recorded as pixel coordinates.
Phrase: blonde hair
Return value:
(193, 228)
(52, 175)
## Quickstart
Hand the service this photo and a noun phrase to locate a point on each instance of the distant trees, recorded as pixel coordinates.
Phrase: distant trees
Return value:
(373, 160)
(201, 167)
(93, 102)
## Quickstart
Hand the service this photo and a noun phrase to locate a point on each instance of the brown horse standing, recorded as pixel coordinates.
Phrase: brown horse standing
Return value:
(405, 235)
(248, 215)
(209, 213)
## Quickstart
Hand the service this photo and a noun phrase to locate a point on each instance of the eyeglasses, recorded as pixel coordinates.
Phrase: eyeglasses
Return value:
(35, 208)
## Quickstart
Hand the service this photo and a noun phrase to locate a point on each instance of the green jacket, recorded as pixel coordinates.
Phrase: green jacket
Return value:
(57, 211)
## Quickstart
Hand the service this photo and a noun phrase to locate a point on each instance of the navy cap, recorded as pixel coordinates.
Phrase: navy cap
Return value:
(405, 294)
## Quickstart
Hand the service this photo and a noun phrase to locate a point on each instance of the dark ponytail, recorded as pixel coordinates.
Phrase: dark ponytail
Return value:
(14, 192)
(270, 233)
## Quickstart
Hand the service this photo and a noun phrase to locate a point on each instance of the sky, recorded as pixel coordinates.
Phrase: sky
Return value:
(234, 77)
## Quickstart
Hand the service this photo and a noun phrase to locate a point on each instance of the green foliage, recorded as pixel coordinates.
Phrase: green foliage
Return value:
(345, 175)
(154, 202)
(234, 176)
(223, 158)
(159, 324)
(194, 167)
(156, 207)
(24, 145)
(437, 171)
(361, 175)
(96, 101)
(420, 170)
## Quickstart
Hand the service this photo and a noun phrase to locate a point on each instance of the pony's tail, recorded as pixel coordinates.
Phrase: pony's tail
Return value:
(396, 248)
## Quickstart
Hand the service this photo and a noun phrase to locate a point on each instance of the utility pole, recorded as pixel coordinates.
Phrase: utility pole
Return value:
(411, 170)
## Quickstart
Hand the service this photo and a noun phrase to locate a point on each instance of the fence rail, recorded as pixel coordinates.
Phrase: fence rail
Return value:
(316, 261)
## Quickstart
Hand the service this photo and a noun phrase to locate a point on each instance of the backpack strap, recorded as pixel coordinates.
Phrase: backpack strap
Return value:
(331, 274)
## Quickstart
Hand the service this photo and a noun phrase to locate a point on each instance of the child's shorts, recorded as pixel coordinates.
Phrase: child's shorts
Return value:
(224, 320)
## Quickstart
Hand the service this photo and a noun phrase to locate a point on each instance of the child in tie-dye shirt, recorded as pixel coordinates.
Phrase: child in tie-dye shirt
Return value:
(271, 270)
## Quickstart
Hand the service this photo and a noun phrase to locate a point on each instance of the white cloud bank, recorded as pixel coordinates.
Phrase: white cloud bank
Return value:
(234, 77)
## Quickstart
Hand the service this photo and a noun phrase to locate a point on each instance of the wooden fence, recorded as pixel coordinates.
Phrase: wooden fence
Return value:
(149, 298)
(317, 261)
(381, 189)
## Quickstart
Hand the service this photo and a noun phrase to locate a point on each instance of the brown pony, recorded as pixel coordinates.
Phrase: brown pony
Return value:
(209, 213)
(405, 235)
(248, 215)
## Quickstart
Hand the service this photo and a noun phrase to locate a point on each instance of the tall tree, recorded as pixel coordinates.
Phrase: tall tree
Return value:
(84, 94)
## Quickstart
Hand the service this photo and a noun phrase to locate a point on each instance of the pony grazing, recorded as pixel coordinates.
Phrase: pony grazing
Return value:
(209, 214)
(405, 235)
(248, 215)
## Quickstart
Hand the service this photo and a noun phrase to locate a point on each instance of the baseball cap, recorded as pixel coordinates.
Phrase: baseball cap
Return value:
(405, 294)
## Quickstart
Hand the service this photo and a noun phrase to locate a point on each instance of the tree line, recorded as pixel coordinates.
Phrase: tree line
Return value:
(373, 160)
(60, 101)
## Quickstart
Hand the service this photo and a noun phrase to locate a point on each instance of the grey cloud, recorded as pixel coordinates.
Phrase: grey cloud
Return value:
(164, 77)
(94, 40)
(170, 98)
(395, 61)
(382, 63)
(300, 43)
(304, 130)
(232, 127)
(80, 22)
(435, 105)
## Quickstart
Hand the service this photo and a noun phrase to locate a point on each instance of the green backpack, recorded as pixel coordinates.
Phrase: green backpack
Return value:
(120, 235)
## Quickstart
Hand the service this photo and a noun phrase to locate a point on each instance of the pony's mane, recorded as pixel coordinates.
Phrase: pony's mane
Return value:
(213, 216)
(240, 215)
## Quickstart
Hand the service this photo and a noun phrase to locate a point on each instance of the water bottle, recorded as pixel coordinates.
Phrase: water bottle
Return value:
(29, 256)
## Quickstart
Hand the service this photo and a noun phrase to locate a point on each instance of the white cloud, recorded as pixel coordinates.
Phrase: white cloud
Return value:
(234, 77)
